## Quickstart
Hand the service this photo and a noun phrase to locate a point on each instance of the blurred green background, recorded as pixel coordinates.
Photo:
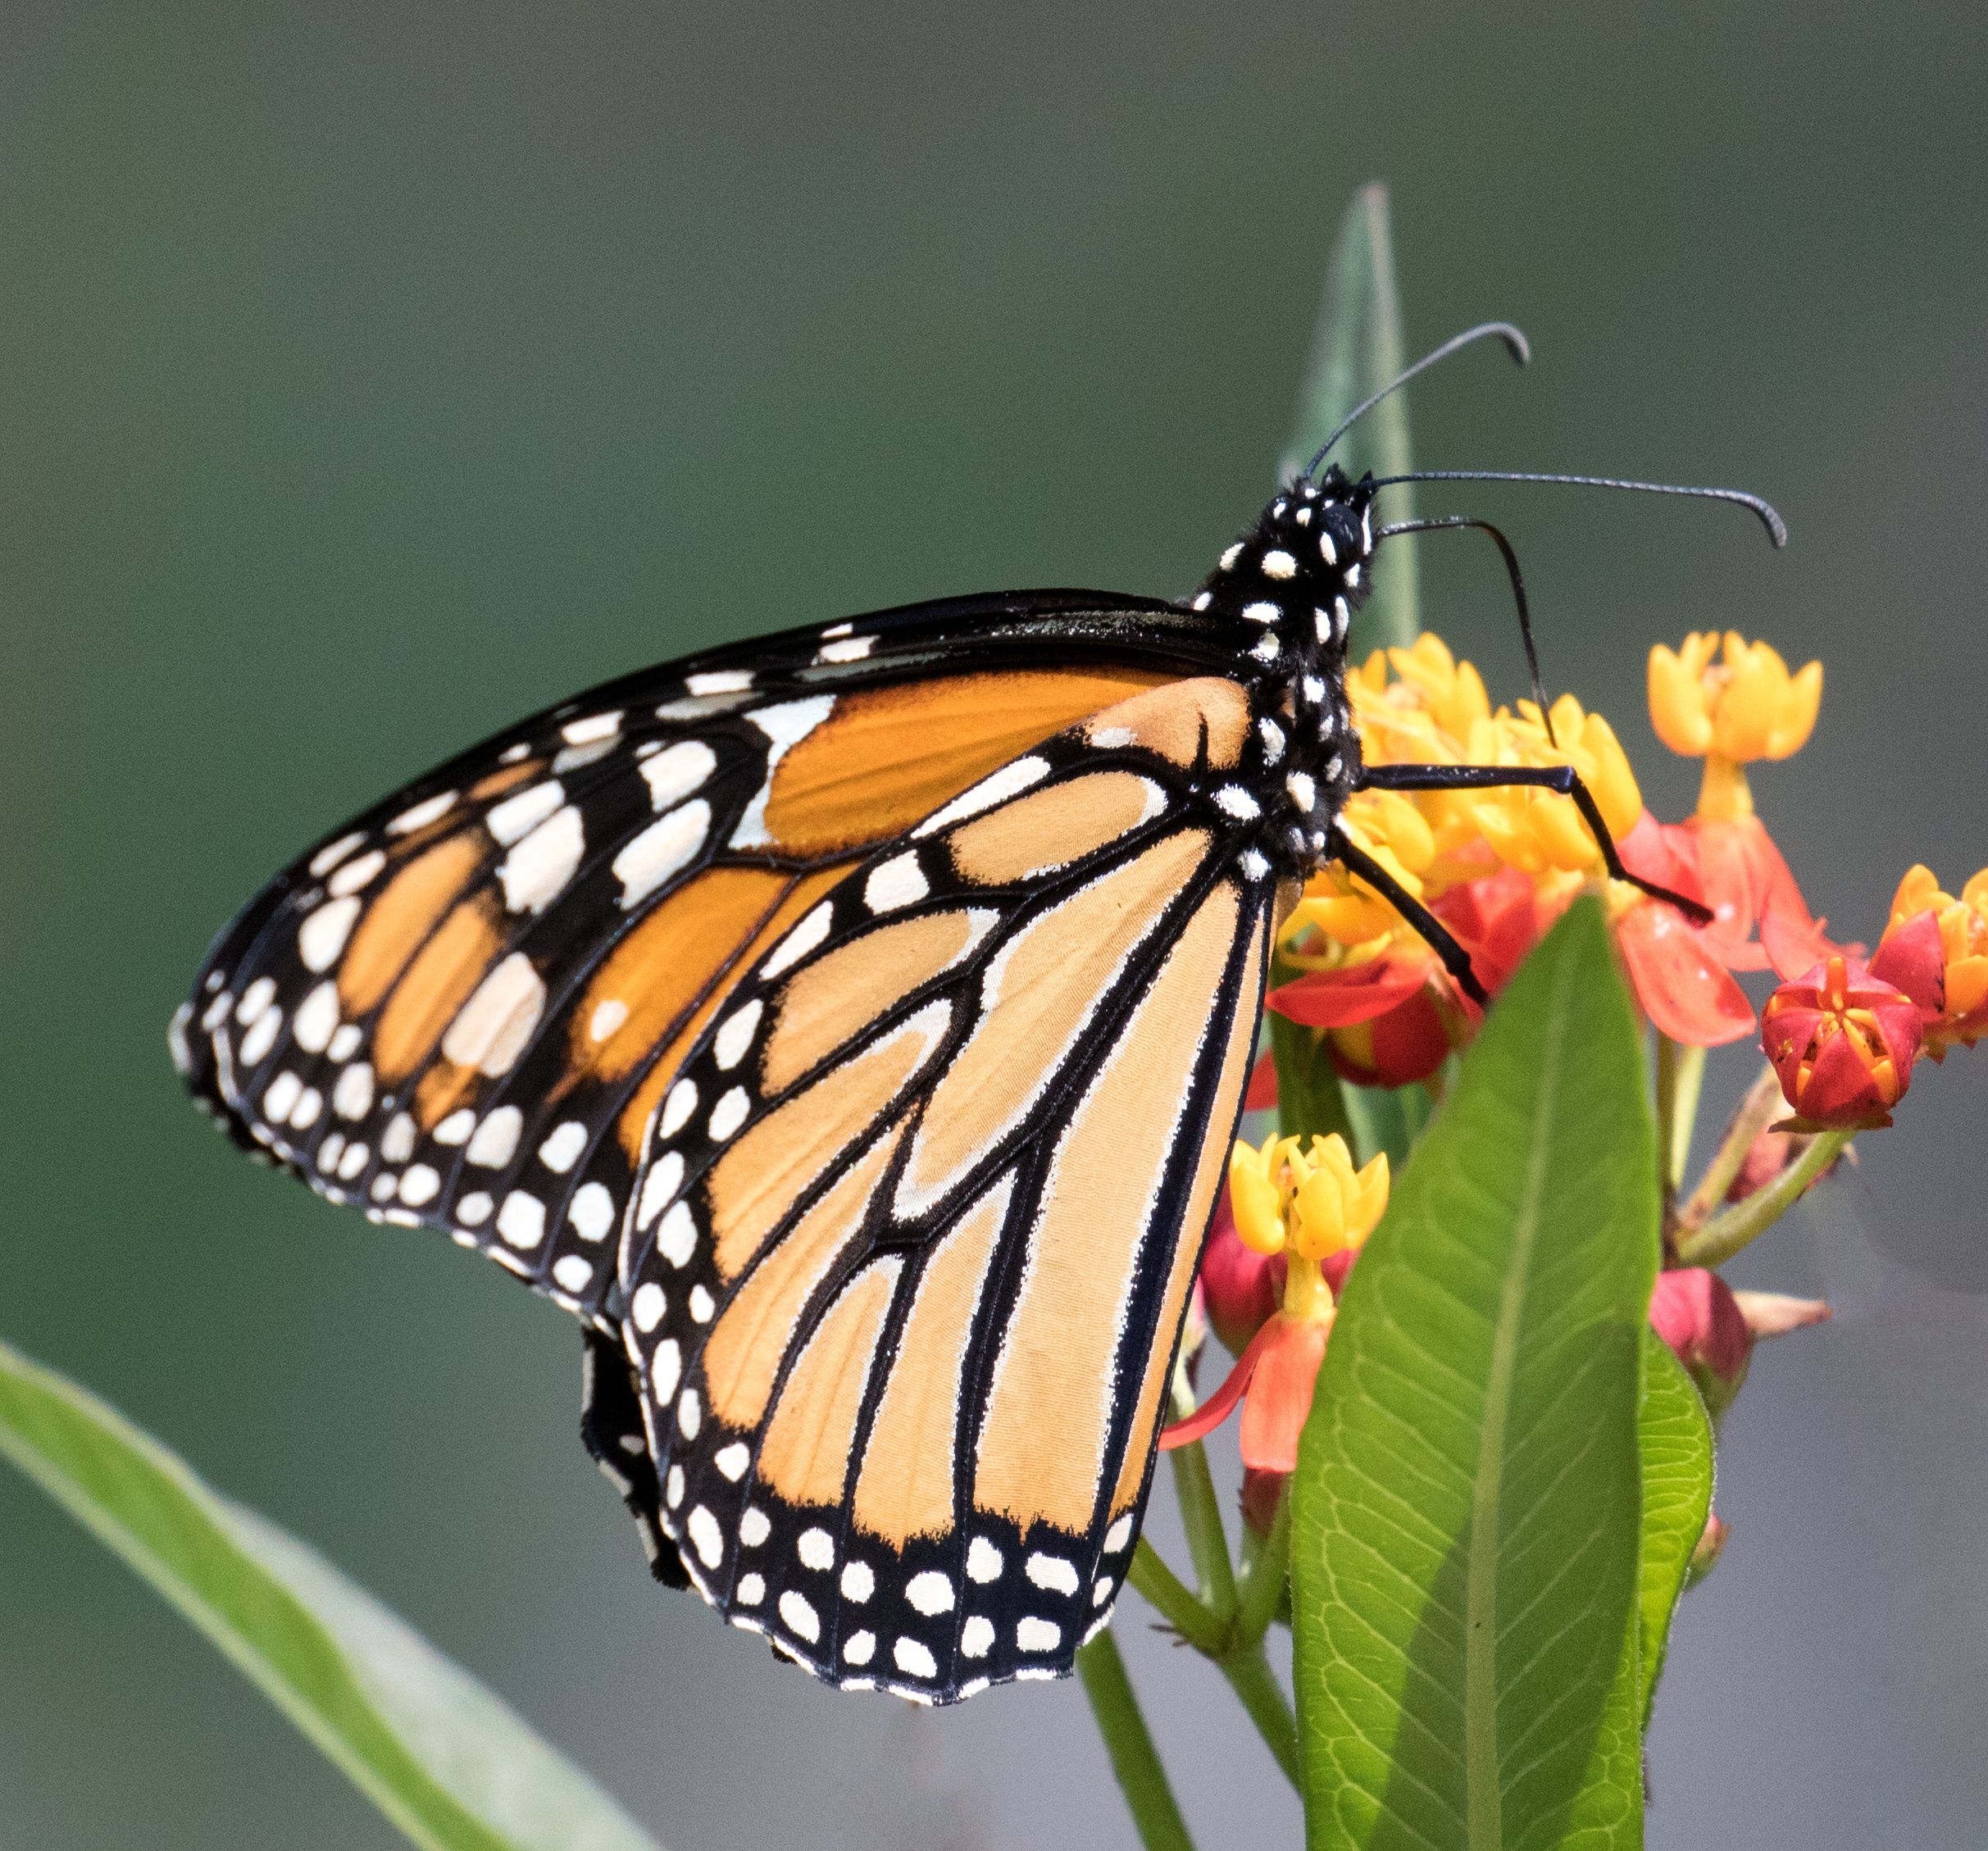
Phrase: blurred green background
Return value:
(373, 375)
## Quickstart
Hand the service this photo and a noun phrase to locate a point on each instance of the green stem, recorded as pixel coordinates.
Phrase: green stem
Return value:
(1681, 1078)
(1135, 1760)
(1251, 1678)
(1264, 1576)
(1171, 1598)
(1757, 1110)
(1726, 1235)
(1208, 1542)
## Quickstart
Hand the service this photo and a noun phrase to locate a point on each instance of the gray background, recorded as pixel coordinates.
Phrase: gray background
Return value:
(373, 375)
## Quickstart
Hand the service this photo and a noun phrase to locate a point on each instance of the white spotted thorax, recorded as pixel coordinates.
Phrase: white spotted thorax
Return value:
(1297, 577)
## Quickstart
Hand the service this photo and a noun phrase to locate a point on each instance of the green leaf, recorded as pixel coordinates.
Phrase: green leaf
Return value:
(449, 1763)
(1465, 1562)
(1357, 349)
(1676, 1443)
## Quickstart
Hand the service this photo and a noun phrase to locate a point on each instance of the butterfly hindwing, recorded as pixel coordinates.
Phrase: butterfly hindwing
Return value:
(919, 1212)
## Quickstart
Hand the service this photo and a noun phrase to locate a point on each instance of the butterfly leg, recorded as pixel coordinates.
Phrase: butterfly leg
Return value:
(1564, 778)
(611, 1429)
(1456, 960)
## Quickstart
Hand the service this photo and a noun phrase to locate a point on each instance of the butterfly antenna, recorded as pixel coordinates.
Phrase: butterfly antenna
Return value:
(1452, 522)
(1777, 529)
(1515, 344)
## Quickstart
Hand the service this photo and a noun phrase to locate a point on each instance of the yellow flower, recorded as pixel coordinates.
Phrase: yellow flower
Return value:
(1744, 707)
(1313, 1200)
(1345, 909)
(1538, 831)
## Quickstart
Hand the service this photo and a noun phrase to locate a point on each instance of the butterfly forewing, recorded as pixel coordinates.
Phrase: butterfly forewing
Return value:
(463, 1009)
(920, 1210)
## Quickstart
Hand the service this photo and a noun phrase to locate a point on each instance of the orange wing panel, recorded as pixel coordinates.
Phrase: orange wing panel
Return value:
(887, 757)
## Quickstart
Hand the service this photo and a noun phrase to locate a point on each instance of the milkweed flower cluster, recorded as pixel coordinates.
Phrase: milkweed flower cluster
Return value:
(1842, 1032)
(1497, 866)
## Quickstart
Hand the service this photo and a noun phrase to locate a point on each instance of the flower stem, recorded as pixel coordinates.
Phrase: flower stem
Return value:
(1142, 1778)
(1251, 1678)
(1681, 1078)
(1263, 1578)
(1725, 1234)
(1208, 1542)
(1757, 1111)
(1171, 1598)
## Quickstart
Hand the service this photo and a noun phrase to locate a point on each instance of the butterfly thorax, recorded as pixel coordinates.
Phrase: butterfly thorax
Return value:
(1290, 586)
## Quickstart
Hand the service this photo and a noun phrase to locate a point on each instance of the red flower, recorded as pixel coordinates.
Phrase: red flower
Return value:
(1392, 1019)
(1273, 1380)
(1842, 1041)
(1678, 969)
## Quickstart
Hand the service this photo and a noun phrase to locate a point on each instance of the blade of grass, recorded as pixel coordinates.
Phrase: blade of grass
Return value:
(452, 1765)
(1357, 349)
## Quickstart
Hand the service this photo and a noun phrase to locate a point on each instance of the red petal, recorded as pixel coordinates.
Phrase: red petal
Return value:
(1695, 1312)
(1683, 988)
(1409, 1043)
(1912, 959)
(1280, 1394)
(1240, 1288)
(1340, 999)
(1263, 1089)
(1216, 1409)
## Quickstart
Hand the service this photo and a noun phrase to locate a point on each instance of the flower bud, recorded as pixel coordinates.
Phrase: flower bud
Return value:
(1240, 1288)
(1695, 1312)
(1842, 1043)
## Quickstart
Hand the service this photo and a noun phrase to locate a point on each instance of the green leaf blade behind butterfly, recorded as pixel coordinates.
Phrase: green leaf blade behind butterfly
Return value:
(1358, 346)
(446, 1761)
(1676, 1439)
(1465, 1560)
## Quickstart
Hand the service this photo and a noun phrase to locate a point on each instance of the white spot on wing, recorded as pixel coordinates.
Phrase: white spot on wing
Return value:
(496, 1141)
(647, 1306)
(676, 1238)
(1011, 780)
(851, 649)
(913, 1659)
(492, 1029)
(720, 681)
(801, 1619)
(594, 727)
(982, 1561)
(333, 853)
(353, 1097)
(816, 1547)
(592, 1211)
(898, 882)
(859, 1582)
(734, 1039)
(662, 850)
(522, 1220)
(536, 871)
(930, 1593)
(354, 875)
(1038, 1636)
(422, 813)
(521, 813)
(976, 1637)
(561, 1150)
(797, 944)
(705, 1537)
(574, 1273)
(1052, 1572)
(323, 934)
(672, 774)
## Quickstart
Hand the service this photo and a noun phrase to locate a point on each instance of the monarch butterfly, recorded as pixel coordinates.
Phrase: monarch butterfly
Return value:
(848, 1028)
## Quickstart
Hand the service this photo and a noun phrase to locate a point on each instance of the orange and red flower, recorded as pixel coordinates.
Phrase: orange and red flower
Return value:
(1843, 1041)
